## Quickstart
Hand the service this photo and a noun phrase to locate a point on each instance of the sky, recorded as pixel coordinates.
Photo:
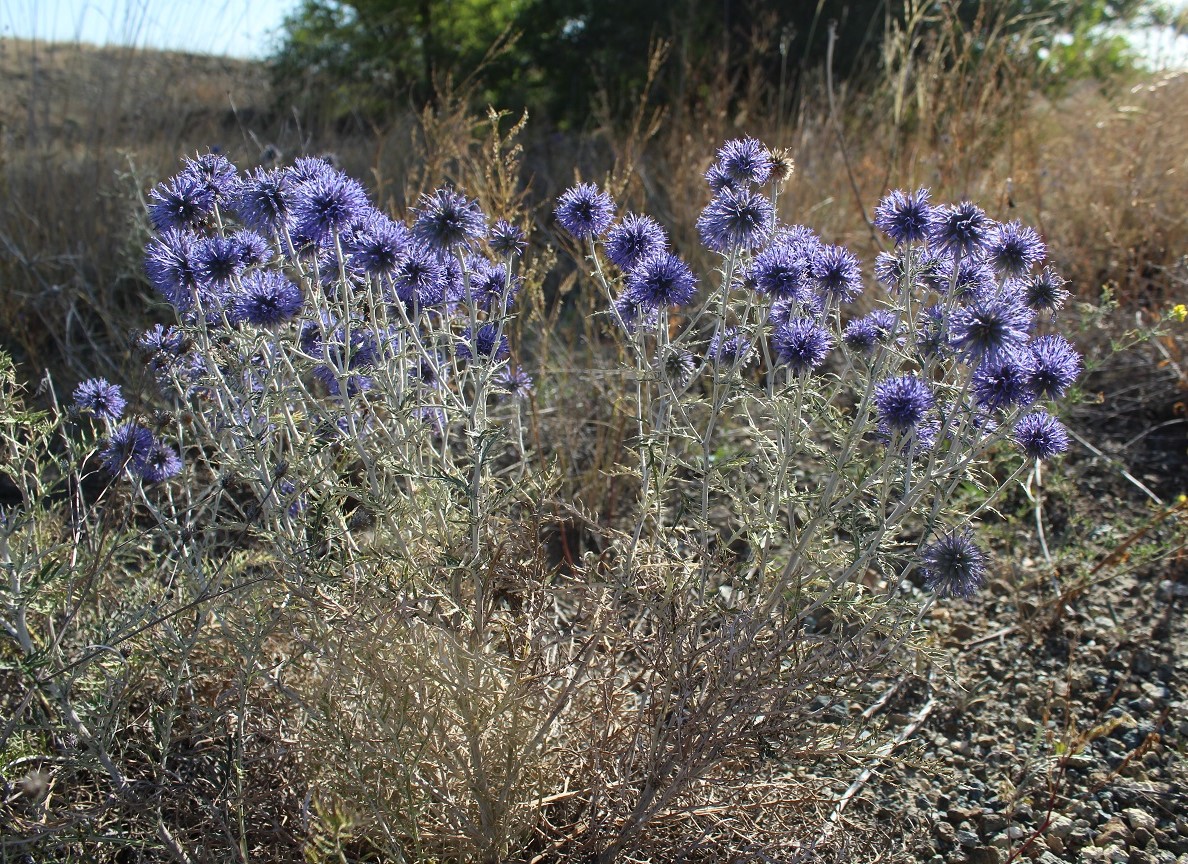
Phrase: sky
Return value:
(244, 28)
(238, 28)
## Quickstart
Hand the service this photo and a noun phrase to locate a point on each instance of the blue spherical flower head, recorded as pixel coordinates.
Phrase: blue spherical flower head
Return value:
(267, 299)
(877, 328)
(737, 219)
(161, 463)
(489, 282)
(376, 247)
(219, 261)
(730, 347)
(802, 344)
(127, 450)
(954, 565)
(328, 204)
(1057, 365)
(902, 404)
(160, 339)
(1005, 382)
(506, 239)
(265, 200)
(419, 278)
(171, 262)
(483, 344)
(742, 161)
(837, 273)
(101, 398)
(634, 239)
(254, 250)
(718, 179)
(960, 230)
(905, 217)
(308, 168)
(1014, 249)
(782, 273)
(991, 327)
(445, 219)
(661, 281)
(1041, 436)
(585, 212)
(516, 382)
(973, 279)
(180, 203)
(216, 173)
(1045, 291)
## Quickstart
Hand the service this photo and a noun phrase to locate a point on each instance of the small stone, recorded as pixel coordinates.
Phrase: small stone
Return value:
(1055, 844)
(1060, 826)
(993, 823)
(1113, 833)
(945, 832)
(1142, 837)
(1016, 832)
(985, 855)
(968, 839)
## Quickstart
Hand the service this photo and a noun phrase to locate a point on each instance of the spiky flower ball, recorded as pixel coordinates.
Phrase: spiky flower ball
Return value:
(954, 566)
(1041, 436)
(100, 398)
(585, 211)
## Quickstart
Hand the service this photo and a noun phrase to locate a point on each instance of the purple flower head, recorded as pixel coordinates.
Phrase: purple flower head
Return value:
(902, 404)
(219, 262)
(730, 347)
(1004, 382)
(482, 344)
(961, 229)
(718, 179)
(181, 202)
(974, 279)
(585, 212)
(634, 239)
(781, 273)
(905, 217)
(1057, 365)
(954, 565)
(216, 173)
(783, 311)
(506, 239)
(419, 278)
(159, 339)
(1014, 249)
(1045, 291)
(991, 327)
(742, 160)
(516, 382)
(327, 205)
(632, 314)
(1041, 436)
(308, 168)
(802, 344)
(101, 398)
(736, 219)
(127, 450)
(161, 463)
(801, 239)
(265, 200)
(863, 334)
(267, 299)
(376, 247)
(489, 282)
(254, 250)
(837, 273)
(171, 262)
(445, 219)
(661, 281)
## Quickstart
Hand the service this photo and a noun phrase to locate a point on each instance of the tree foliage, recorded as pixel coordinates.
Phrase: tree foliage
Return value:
(373, 54)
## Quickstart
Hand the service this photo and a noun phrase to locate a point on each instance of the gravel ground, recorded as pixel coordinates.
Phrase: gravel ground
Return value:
(1060, 730)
